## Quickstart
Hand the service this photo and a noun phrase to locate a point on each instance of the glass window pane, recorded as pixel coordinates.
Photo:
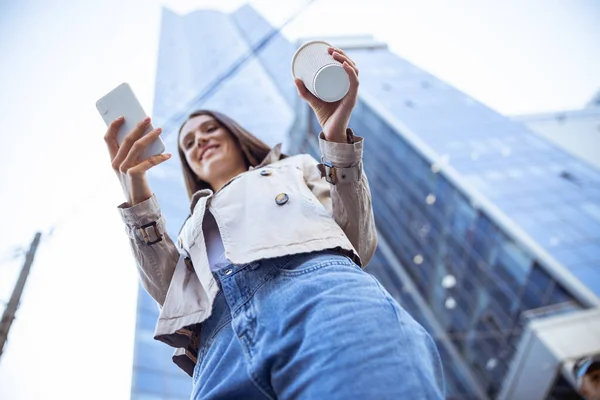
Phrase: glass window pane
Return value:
(148, 381)
(538, 280)
(145, 396)
(179, 385)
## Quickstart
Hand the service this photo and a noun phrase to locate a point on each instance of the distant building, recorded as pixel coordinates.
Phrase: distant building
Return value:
(575, 131)
(489, 235)
(595, 101)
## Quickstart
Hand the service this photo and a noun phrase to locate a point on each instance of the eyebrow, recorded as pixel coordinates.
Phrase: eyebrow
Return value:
(202, 125)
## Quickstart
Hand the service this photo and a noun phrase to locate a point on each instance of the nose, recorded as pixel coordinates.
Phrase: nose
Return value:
(200, 139)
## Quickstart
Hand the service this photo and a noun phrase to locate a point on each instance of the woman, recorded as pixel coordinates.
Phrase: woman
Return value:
(264, 295)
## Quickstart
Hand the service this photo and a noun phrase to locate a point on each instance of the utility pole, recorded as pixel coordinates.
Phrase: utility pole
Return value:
(13, 303)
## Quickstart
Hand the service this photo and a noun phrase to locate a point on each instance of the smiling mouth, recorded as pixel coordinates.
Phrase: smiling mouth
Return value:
(208, 152)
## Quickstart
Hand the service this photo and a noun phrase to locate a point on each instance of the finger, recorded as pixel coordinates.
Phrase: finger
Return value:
(139, 146)
(145, 165)
(129, 141)
(306, 94)
(111, 136)
(341, 58)
(353, 91)
(342, 52)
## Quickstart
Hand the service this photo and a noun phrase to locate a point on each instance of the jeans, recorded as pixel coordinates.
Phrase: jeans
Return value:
(311, 326)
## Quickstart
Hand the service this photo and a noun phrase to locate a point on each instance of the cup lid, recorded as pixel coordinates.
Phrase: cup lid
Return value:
(331, 83)
(299, 50)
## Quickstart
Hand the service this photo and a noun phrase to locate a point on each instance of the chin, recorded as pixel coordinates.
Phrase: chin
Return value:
(214, 165)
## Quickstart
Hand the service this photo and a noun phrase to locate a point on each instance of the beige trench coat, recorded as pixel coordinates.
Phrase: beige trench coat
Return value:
(253, 225)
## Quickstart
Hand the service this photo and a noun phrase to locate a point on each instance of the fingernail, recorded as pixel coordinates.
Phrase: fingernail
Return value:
(159, 129)
(119, 118)
(167, 155)
(147, 119)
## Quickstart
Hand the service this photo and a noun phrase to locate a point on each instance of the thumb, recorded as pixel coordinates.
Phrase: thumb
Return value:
(306, 94)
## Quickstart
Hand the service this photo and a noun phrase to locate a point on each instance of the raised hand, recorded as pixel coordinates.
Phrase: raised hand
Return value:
(125, 159)
(334, 117)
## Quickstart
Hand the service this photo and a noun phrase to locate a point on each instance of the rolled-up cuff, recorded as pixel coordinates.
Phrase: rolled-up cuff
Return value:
(142, 214)
(341, 154)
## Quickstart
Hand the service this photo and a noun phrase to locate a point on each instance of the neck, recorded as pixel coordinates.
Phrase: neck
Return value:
(218, 183)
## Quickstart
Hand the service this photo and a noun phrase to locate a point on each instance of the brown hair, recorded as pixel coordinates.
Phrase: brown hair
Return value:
(253, 149)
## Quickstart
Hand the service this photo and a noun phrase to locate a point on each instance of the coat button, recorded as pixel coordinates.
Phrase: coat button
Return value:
(281, 199)
(264, 172)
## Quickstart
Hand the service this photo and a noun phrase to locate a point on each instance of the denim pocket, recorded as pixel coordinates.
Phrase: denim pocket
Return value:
(210, 329)
(198, 366)
(205, 347)
(303, 263)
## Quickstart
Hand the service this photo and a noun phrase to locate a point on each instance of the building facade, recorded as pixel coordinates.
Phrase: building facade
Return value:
(483, 225)
(575, 131)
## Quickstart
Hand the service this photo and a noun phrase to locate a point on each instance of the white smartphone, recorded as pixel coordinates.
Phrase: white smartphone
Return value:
(122, 101)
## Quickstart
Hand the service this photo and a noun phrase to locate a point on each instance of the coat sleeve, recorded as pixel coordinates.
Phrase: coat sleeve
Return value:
(156, 261)
(349, 203)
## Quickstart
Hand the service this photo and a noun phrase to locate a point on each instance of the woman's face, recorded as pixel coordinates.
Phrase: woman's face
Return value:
(210, 150)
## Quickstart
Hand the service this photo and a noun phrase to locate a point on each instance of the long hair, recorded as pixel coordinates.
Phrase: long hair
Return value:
(253, 149)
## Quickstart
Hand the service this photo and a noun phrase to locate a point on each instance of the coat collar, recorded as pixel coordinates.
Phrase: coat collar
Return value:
(273, 155)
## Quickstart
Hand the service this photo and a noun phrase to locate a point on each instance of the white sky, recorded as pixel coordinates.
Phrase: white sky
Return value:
(74, 331)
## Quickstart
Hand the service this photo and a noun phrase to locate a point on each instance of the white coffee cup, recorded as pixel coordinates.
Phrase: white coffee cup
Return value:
(322, 75)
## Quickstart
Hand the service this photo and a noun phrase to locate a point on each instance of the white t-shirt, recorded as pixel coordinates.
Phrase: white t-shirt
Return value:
(214, 244)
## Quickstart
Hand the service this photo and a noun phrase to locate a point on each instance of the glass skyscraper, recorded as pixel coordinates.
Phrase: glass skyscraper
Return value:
(484, 227)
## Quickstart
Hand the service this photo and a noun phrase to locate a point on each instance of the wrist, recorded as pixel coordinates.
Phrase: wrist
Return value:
(137, 199)
(346, 136)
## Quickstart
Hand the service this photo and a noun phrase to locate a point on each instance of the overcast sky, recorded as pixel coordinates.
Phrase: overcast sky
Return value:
(74, 333)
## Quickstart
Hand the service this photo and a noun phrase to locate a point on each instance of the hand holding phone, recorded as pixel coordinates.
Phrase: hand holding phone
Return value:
(121, 101)
(134, 146)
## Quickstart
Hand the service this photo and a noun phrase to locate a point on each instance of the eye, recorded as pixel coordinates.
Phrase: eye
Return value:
(212, 128)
